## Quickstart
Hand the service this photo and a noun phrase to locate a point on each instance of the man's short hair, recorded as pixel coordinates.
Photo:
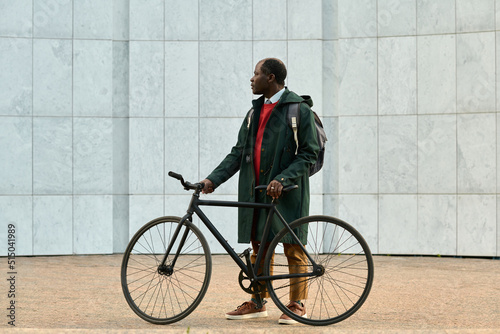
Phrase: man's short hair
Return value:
(276, 67)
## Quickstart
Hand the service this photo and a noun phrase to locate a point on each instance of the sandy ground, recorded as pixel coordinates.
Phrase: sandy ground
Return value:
(409, 294)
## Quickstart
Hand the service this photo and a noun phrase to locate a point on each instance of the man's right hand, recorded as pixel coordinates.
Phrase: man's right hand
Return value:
(209, 186)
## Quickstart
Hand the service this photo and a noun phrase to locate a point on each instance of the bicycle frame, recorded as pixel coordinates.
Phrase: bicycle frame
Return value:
(250, 271)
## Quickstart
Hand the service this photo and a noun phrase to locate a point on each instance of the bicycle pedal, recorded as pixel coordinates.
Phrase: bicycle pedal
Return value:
(245, 253)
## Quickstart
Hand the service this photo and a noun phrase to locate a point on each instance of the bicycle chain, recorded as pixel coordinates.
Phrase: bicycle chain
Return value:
(296, 265)
(286, 286)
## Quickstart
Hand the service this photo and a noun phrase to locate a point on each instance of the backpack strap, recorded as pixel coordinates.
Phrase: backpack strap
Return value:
(249, 117)
(293, 120)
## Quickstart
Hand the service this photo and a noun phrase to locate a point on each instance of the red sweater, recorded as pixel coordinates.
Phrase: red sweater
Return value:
(265, 113)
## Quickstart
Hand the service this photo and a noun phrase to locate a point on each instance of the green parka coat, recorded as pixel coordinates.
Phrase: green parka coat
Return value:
(278, 162)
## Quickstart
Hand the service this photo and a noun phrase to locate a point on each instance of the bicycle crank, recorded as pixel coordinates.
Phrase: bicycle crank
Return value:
(245, 282)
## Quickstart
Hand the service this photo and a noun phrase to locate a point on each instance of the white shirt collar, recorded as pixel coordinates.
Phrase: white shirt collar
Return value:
(275, 98)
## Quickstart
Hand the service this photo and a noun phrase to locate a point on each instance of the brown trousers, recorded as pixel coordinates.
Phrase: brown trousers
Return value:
(297, 262)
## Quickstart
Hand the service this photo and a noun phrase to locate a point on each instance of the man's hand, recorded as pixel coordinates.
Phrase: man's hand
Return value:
(274, 189)
(209, 186)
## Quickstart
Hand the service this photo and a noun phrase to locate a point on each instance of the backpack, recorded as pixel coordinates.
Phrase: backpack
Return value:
(294, 121)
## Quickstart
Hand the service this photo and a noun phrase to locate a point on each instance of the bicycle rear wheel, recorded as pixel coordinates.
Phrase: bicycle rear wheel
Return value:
(347, 270)
(163, 295)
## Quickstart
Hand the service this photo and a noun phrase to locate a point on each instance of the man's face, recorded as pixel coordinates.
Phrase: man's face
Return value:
(259, 81)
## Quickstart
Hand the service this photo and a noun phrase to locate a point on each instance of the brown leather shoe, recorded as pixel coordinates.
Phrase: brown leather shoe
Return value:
(247, 310)
(295, 308)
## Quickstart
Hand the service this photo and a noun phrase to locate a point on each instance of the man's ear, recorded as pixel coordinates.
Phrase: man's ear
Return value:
(271, 78)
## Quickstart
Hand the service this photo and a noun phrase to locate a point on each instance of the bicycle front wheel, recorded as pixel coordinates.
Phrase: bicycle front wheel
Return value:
(165, 294)
(345, 277)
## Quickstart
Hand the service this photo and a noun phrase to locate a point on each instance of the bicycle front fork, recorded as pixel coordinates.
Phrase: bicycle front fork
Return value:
(163, 268)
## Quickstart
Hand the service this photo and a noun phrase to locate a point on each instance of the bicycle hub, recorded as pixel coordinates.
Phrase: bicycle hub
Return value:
(165, 270)
(320, 270)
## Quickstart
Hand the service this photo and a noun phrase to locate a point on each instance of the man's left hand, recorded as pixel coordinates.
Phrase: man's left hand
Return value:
(274, 189)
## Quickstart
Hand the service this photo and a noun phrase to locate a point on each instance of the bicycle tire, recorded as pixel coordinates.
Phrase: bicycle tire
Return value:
(162, 298)
(348, 270)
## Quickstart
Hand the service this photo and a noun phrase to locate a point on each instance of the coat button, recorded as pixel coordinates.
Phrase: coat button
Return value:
(262, 150)
(262, 171)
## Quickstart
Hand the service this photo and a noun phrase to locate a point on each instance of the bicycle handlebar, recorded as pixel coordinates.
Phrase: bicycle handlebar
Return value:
(176, 176)
(285, 189)
(187, 185)
(198, 186)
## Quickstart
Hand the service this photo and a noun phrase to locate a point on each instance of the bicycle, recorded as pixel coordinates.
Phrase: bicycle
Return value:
(167, 264)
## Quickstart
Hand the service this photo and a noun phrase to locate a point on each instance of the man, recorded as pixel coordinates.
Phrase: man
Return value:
(266, 154)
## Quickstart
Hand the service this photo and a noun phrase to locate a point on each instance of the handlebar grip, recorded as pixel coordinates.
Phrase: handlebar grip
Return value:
(290, 188)
(285, 189)
(175, 176)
